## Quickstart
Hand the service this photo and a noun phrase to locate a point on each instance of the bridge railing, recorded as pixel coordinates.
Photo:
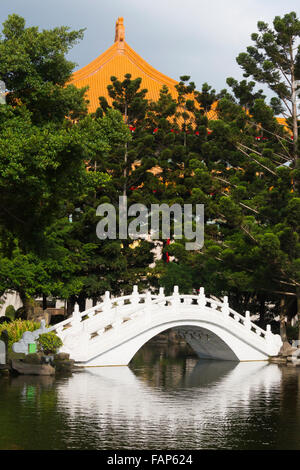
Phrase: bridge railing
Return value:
(109, 311)
(112, 312)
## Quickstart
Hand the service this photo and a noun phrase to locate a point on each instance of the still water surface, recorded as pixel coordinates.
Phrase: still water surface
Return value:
(165, 400)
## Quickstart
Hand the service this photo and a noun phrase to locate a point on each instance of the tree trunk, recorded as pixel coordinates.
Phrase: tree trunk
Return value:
(298, 313)
(27, 305)
(81, 302)
(70, 305)
(282, 320)
(262, 309)
(125, 154)
(294, 108)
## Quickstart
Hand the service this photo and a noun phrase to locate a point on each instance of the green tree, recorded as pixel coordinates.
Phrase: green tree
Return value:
(274, 59)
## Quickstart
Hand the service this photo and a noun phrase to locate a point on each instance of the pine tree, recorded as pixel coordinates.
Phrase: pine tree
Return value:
(274, 59)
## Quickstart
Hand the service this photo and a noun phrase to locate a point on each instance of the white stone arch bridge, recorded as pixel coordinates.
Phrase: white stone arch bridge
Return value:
(111, 333)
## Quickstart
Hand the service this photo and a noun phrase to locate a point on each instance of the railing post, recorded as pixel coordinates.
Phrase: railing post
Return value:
(76, 314)
(161, 294)
(107, 301)
(201, 298)
(225, 306)
(247, 322)
(175, 299)
(269, 333)
(135, 296)
(76, 318)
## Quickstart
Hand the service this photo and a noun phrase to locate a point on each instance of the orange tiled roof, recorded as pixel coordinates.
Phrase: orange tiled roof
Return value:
(116, 61)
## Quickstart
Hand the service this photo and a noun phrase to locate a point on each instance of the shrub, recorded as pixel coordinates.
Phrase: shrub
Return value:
(10, 312)
(15, 330)
(49, 343)
(4, 320)
(292, 332)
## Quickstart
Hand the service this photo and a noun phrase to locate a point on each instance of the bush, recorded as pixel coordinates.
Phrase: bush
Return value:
(15, 330)
(33, 359)
(292, 332)
(10, 312)
(49, 343)
(4, 320)
(21, 313)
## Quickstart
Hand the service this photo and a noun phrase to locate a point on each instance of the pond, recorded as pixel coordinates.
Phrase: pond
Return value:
(166, 399)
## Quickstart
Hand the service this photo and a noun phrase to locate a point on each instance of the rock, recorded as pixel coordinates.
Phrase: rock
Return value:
(36, 358)
(62, 357)
(65, 366)
(286, 349)
(295, 361)
(4, 372)
(32, 369)
(16, 356)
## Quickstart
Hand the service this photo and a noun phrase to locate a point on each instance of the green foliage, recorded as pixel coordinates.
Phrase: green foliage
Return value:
(16, 329)
(49, 343)
(234, 165)
(292, 332)
(274, 59)
(10, 312)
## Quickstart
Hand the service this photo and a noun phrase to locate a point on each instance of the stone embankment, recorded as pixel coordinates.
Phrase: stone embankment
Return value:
(39, 364)
(287, 355)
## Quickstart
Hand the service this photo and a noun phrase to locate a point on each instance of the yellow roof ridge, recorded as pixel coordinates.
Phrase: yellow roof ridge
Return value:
(147, 68)
(118, 60)
(113, 51)
(96, 64)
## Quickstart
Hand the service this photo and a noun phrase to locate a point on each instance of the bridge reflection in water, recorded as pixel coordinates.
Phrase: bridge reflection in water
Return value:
(186, 413)
(163, 401)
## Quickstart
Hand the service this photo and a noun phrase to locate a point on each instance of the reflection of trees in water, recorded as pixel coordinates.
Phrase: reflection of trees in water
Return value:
(167, 356)
(197, 412)
(30, 415)
(167, 404)
(273, 423)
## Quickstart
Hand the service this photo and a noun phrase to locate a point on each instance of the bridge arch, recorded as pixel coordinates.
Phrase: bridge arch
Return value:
(113, 331)
(207, 338)
(205, 343)
(202, 339)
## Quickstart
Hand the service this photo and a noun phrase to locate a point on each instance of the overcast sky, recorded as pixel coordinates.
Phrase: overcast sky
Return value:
(200, 38)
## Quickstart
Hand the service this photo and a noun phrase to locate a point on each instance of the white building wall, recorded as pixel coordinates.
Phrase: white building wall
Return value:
(11, 298)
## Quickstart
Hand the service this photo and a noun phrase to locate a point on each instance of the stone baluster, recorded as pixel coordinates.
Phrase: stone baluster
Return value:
(225, 306)
(76, 316)
(247, 322)
(201, 298)
(269, 334)
(107, 301)
(135, 297)
(175, 299)
(161, 294)
(43, 326)
(76, 320)
(107, 307)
